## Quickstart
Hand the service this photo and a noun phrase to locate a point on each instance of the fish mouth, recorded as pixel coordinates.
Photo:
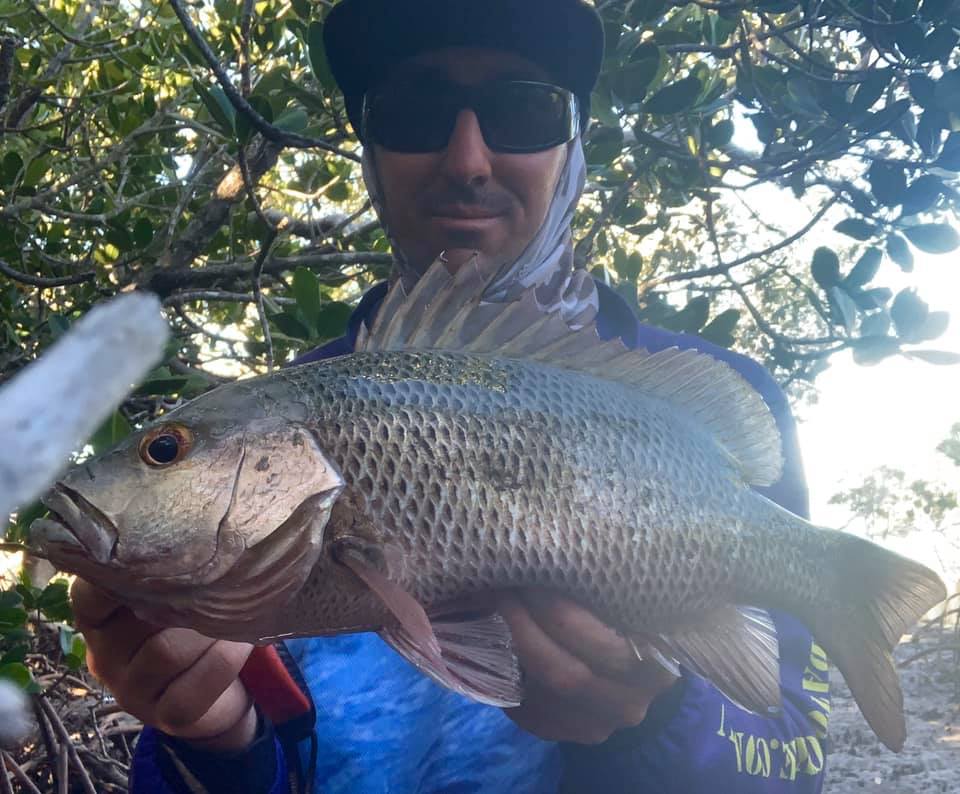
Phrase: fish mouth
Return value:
(75, 526)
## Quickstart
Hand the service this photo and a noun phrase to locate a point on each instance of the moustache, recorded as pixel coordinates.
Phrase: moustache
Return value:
(487, 200)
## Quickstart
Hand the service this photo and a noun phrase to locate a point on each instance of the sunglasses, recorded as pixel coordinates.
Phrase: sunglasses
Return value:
(515, 116)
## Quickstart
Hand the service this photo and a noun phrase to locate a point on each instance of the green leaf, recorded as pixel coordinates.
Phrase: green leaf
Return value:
(939, 44)
(941, 358)
(58, 325)
(934, 326)
(910, 39)
(12, 618)
(842, 309)
(899, 252)
(856, 228)
(949, 158)
(111, 432)
(604, 145)
(11, 168)
(691, 318)
(934, 238)
(825, 267)
(333, 320)
(245, 129)
(73, 647)
(947, 92)
(872, 350)
(292, 120)
(674, 98)
(877, 324)
(291, 326)
(870, 299)
(630, 83)
(871, 89)
(338, 192)
(162, 386)
(866, 268)
(923, 90)
(922, 194)
(19, 674)
(217, 104)
(35, 171)
(54, 601)
(317, 53)
(627, 266)
(306, 290)
(142, 233)
(888, 182)
(720, 329)
(721, 133)
(909, 313)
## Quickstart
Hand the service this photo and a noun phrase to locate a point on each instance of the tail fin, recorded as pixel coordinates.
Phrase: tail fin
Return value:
(878, 595)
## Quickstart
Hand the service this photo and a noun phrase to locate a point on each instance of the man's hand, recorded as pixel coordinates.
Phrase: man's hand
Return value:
(582, 680)
(172, 679)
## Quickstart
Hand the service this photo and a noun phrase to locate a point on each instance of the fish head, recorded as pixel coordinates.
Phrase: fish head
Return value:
(211, 499)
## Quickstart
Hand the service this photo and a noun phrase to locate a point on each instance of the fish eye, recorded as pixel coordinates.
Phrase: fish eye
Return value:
(165, 446)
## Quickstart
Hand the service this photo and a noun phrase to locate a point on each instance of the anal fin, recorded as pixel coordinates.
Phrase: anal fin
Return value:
(736, 649)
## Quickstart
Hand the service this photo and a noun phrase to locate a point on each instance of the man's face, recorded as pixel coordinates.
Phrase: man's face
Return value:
(467, 198)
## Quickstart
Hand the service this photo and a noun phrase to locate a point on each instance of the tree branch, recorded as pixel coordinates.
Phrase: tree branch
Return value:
(721, 269)
(40, 281)
(265, 128)
(165, 282)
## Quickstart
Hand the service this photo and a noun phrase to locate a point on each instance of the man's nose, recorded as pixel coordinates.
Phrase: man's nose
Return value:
(466, 159)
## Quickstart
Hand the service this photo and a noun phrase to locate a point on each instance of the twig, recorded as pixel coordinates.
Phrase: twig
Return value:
(63, 770)
(65, 743)
(258, 293)
(719, 270)
(224, 296)
(40, 281)
(265, 128)
(946, 646)
(8, 48)
(46, 730)
(19, 774)
(5, 784)
(165, 282)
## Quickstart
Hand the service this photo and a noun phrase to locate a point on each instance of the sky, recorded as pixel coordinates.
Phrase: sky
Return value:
(893, 414)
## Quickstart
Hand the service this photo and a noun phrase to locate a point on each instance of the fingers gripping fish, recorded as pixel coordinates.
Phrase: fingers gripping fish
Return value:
(465, 447)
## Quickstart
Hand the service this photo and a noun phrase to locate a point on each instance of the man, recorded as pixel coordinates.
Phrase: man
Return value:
(470, 112)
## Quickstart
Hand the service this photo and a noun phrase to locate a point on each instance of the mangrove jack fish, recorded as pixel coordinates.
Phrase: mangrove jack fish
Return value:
(469, 446)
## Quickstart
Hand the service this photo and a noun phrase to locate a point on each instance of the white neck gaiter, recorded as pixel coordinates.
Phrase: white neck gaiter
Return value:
(546, 263)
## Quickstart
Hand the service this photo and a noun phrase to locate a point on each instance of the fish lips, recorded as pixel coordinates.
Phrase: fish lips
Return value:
(76, 526)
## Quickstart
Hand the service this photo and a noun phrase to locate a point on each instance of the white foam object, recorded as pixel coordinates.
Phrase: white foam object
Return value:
(56, 403)
(15, 723)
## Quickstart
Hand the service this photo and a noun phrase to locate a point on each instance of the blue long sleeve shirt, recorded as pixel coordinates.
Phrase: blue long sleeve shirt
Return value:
(381, 726)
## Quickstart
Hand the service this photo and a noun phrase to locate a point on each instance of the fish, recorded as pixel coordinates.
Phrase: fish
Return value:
(465, 447)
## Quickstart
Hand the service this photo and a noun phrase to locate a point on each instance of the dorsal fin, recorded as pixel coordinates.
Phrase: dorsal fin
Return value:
(445, 311)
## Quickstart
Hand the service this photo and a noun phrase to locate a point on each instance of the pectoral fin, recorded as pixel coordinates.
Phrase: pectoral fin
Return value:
(470, 653)
(477, 655)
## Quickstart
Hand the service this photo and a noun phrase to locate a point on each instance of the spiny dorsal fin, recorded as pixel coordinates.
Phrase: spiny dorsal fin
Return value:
(445, 311)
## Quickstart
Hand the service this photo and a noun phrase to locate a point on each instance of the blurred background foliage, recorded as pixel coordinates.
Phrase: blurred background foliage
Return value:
(757, 172)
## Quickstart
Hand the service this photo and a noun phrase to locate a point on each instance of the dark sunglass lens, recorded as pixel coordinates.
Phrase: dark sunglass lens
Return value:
(408, 118)
(525, 117)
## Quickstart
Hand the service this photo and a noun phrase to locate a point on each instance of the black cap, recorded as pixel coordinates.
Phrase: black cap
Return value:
(363, 38)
